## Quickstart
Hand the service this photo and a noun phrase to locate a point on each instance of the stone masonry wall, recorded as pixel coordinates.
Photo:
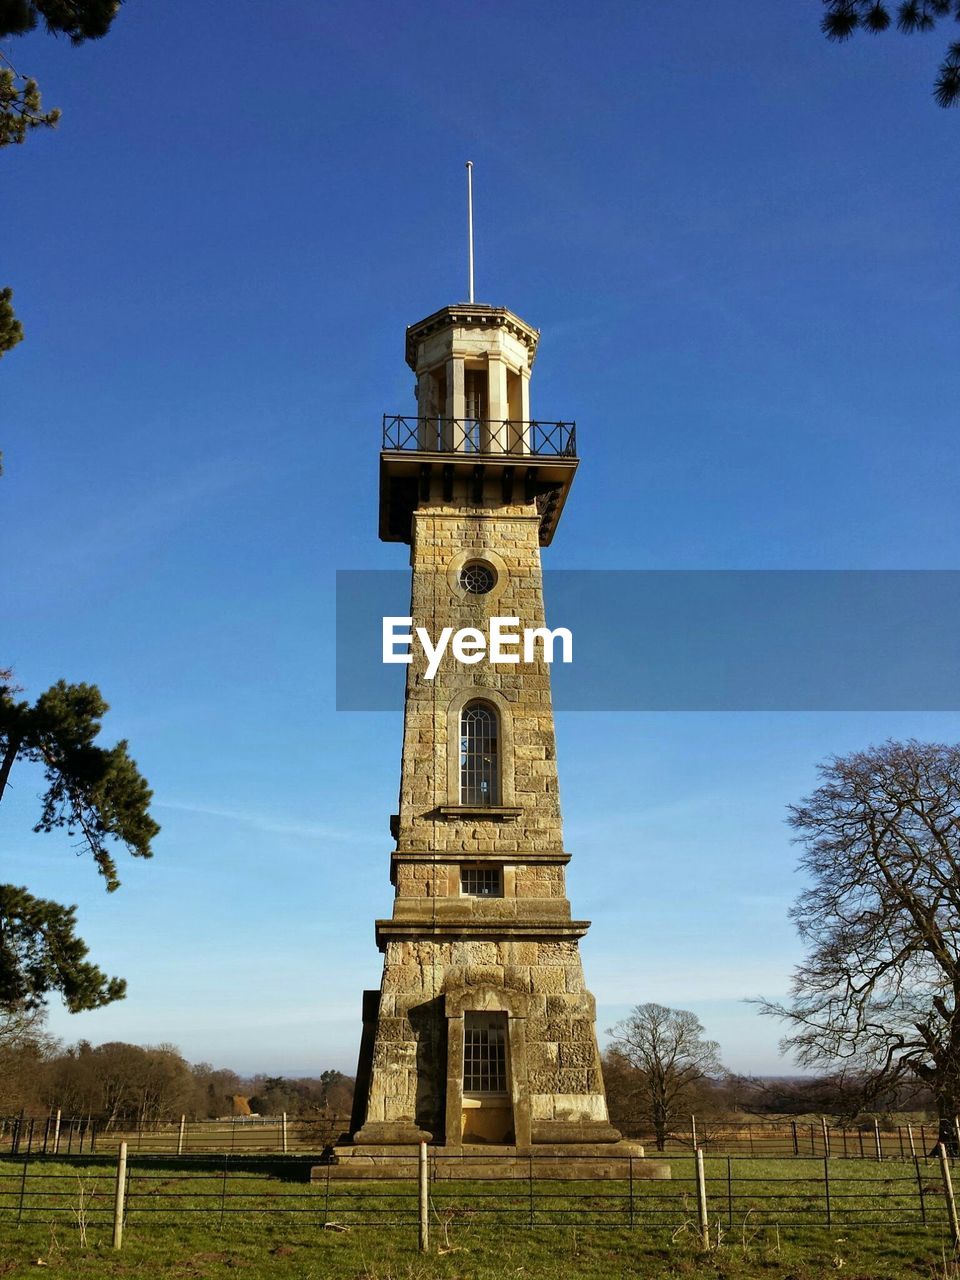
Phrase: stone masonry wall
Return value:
(441, 533)
(409, 1079)
(529, 945)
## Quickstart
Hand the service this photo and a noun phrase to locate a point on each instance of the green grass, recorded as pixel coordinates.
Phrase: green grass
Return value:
(262, 1224)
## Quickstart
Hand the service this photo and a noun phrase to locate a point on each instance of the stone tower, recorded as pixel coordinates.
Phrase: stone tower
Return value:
(483, 1030)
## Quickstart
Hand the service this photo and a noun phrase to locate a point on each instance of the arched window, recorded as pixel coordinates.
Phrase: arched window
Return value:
(479, 754)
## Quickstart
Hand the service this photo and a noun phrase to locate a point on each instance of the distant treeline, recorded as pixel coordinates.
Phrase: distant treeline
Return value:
(133, 1085)
(121, 1084)
(729, 1097)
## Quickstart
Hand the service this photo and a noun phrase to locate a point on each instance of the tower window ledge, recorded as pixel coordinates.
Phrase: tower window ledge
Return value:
(495, 812)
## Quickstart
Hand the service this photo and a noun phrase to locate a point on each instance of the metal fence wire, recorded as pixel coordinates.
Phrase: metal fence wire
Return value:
(65, 1135)
(58, 1134)
(797, 1195)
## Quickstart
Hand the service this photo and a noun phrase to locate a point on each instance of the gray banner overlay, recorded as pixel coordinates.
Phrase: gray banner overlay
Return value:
(704, 640)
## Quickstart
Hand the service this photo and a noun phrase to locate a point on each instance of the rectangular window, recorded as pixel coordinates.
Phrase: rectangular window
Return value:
(485, 1053)
(481, 882)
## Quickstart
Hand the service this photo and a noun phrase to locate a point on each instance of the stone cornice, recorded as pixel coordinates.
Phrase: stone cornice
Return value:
(521, 857)
(478, 929)
(476, 315)
(444, 513)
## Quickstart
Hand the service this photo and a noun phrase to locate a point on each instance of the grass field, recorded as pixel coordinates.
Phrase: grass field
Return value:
(191, 1219)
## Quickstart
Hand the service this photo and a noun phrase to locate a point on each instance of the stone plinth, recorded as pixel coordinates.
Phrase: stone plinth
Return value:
(568, 1162)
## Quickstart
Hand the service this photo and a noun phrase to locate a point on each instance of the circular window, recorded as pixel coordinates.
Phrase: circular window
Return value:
(477, 578)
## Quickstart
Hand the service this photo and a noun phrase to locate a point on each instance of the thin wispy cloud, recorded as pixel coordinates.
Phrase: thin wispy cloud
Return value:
(269, 823)
(148, 516)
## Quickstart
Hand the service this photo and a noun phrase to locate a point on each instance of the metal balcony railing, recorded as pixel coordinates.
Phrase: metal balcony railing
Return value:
(473, 436)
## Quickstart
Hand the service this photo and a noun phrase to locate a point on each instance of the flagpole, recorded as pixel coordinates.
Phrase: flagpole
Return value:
(470, 223)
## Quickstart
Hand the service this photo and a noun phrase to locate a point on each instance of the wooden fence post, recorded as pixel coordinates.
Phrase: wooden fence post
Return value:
(826, 1135)
(120, 1196)
(948, 1194)
(693, 1132)
(913, 1145)
(283, 1133)
(702, 1200)
(424, 1199)
(56, 1133)
(180, 1135)
(876, 1138)
(796, 1144)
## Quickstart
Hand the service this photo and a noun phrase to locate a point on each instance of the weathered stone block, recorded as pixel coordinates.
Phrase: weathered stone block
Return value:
(548, 979)
(561, 1006)
(517, 977)
(581, 1030)
(577, 1106)
(392, 1029)
(573, 976)
(541, 1106)
(522, 952)
(483, 976)
(543, 1057)
(407, 999)
(544, 1081)
(483, 953)
(454, 977)
(401, 977)
(571, 1080)
(577, 1055)
(557, 1030)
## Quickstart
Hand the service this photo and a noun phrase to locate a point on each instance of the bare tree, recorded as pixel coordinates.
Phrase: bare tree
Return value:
(20, 1026)
(667, 1050)
(877, 994)
(24, 1046)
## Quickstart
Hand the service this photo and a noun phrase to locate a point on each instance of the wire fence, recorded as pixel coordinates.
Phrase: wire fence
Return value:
(823, 1136)
(58, 1134)
(734, 1192)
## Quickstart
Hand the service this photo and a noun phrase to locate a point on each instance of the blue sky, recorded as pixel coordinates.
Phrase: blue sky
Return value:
(739, 243)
